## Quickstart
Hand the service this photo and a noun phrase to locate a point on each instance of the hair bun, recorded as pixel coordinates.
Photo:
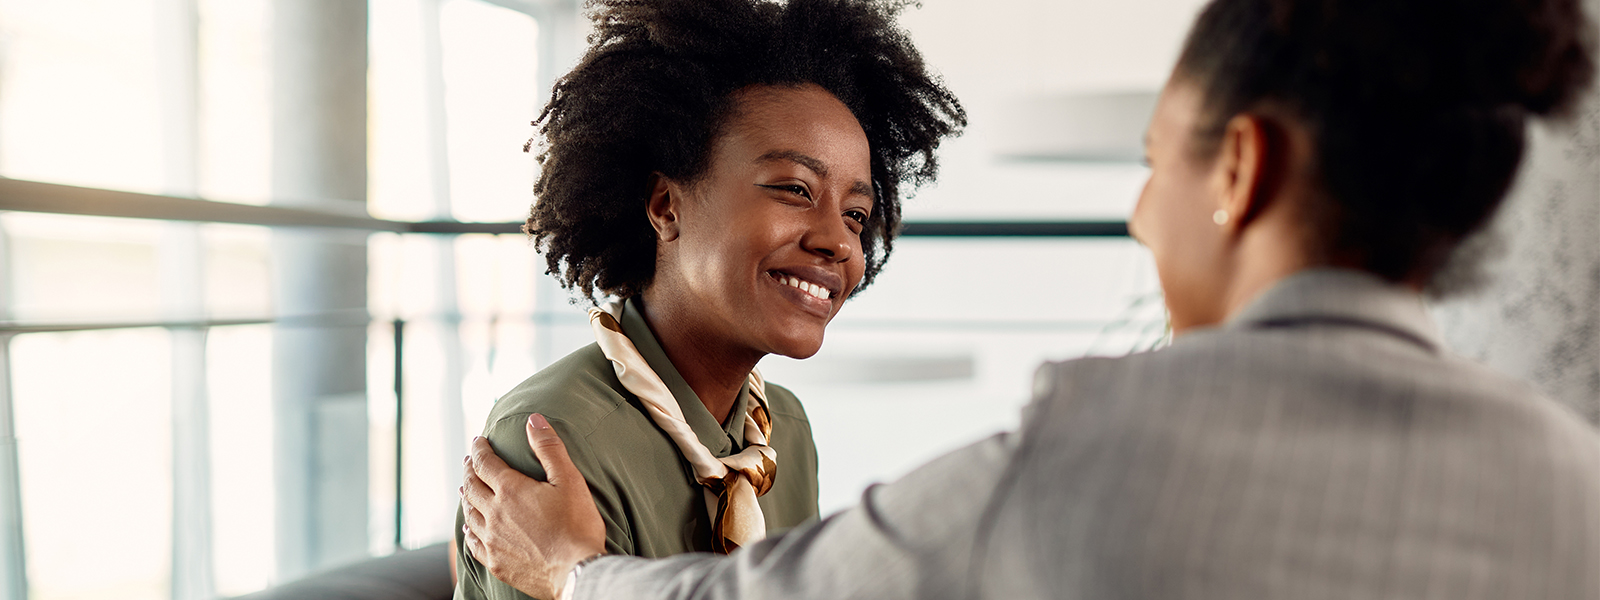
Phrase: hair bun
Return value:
(1419, 108)
(1432, 54)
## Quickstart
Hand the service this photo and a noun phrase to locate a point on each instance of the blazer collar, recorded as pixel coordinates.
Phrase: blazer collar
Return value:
(1341, 297)
(716, 438)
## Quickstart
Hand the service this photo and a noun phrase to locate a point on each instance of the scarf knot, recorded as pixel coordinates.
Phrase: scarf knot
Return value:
(731, 483)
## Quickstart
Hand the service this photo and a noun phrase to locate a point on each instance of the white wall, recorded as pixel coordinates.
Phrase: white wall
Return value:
(1538, 316)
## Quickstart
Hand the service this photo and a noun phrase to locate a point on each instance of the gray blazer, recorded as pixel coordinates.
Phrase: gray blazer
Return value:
(1321, 444)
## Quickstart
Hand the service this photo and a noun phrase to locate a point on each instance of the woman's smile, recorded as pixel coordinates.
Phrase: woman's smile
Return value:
(813, 289)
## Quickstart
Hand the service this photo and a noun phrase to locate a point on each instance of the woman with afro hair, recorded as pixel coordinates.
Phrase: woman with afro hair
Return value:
(728, 172)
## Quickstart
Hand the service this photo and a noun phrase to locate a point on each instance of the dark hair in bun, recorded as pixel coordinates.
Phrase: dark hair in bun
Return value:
(1418, 107)
(658, 84)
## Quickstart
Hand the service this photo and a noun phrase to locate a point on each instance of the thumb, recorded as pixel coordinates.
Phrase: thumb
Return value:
(552, 454)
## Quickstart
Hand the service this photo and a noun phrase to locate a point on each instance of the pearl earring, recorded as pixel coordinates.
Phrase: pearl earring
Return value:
(1220, 217)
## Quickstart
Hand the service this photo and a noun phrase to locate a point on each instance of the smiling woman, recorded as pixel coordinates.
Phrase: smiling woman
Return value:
(730, 172)
(767, 244)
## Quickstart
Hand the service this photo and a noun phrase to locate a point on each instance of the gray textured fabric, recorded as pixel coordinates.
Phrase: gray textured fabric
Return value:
(1319, 445)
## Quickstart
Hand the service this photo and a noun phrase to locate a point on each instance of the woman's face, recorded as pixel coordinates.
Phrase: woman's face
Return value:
(767, 243)
(1175, 211)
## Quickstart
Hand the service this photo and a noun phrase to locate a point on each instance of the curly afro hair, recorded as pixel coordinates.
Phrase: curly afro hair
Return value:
(656, 86)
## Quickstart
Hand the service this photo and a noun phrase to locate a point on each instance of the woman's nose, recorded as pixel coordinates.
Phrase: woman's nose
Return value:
(833, 240)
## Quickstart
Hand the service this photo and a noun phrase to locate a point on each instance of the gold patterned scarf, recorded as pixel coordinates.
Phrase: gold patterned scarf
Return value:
(731, 483)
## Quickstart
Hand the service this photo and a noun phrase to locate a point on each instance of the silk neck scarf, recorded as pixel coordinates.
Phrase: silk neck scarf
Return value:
(731, 483)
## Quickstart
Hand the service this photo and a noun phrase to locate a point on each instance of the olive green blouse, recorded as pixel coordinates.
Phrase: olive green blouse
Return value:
(645, 490)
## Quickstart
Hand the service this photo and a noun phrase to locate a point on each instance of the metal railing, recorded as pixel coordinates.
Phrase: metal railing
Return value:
(31, 196)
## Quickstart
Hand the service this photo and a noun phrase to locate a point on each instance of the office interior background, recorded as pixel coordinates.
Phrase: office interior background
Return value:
(261, 282)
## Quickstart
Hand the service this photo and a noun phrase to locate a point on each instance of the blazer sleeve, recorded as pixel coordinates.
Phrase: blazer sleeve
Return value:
(913, 538)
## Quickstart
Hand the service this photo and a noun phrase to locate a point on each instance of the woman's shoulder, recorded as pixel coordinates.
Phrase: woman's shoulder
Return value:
(783, 403)
(580, 391)
(1352, 370)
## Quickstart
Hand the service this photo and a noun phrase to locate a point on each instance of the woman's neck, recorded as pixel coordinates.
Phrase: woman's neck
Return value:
(712, 368)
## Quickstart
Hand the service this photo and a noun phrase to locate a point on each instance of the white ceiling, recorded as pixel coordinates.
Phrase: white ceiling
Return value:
(997, 55)
(989, 49)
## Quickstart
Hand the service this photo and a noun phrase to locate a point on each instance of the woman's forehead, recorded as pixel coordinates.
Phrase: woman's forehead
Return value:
(804, 121)
(1175, 110)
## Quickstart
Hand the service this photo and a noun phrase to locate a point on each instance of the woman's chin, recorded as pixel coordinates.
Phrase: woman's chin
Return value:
(799, 348)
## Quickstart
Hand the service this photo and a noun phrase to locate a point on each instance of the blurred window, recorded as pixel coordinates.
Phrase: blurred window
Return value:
(91, 94)
(81, 97)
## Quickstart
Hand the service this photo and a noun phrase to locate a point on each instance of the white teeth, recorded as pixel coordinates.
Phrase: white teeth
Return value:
(807, 287)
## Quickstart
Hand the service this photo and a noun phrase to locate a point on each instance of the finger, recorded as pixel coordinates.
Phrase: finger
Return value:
(487, 465)
(474, 491)
(472, 518)
(473, 544)
(552, 454)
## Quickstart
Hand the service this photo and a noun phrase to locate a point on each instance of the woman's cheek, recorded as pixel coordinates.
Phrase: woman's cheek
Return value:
(1140, 225)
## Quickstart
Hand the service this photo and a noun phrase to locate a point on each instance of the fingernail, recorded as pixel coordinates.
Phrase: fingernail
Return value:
(461, 490)
(537, 421)
(466, 460)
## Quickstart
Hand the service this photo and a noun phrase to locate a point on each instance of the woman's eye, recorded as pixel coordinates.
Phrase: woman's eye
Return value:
(857, 216)
(798, 190)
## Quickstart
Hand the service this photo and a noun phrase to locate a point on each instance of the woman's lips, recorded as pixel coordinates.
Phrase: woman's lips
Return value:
(814, 279)
(815, 290)
(811, 297)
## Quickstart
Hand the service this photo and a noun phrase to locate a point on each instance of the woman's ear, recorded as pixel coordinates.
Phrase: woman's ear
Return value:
(664, 207)
(1245, 171)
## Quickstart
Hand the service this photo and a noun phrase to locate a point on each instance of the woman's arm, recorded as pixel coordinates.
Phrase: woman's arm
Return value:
(912, 538)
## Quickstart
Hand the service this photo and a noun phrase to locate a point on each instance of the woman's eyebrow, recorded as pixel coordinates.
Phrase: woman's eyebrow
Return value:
(796, 157)
(859, 188)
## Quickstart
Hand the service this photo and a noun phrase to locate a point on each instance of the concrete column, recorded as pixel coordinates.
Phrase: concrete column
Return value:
(183, 291)
(1537, 316)
(182, 288)
(560, 43)
(319, 160)
(451, 422)
(559, 48)
(13, 555)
